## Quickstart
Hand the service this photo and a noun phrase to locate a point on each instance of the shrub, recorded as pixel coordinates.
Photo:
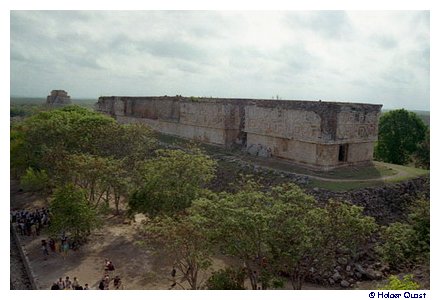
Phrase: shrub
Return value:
(398, 247)
(407, 283)
(419, 218)
(408, 243)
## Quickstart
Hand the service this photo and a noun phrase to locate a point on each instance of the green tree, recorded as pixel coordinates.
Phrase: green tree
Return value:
(103, 178)
(240, 226)
(118, 181)
(422, 155)
(400, 134)
(282, 229)
(296, 238)
(171, 181)
(34, 180)
(19, 155)
(405, 244)
(227, 279)
(77, 145)
(305, 236)
(71, 213)
(347, 229)
(24, 110)
(43, 140)
(184, 239)
(419, 219)
(398, 248)
(46, 139)
(91, 133)
(133, 142)
(90, 173)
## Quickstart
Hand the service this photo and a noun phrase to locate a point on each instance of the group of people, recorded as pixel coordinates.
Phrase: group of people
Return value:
(109, 269)
(30, 223)
(61, 245)
(104, 283)
(67, 284)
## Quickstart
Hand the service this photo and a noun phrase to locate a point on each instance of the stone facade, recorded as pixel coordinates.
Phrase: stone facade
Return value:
(58, 98)
(314, 133)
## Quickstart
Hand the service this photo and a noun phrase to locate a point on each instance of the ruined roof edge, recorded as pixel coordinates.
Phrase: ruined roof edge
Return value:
(268, 102)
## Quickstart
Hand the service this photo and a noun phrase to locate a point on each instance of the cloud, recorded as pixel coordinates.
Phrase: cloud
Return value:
(328, 24)
(379, 57)
(385, 41)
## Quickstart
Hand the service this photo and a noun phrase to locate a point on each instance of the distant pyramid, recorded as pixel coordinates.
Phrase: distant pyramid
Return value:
(58, 98)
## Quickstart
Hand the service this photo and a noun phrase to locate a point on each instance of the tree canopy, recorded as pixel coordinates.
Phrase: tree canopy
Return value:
(408, 243)
(79, 146)
(44, 140)
(71, 213)
(401, 134)
(282, 229)
(185, 239)
(170, 181)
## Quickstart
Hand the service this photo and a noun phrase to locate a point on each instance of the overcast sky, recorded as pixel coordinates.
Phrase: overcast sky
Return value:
(370, 57)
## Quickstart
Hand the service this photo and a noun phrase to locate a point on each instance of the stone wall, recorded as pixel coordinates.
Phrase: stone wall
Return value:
(312, 134)
(210, 122)
(306, 132)
(202, 134)
(283, 123)
(33, 280)
(357, 126)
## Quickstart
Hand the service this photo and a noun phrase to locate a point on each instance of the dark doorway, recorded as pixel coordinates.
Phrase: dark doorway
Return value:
(343, 152)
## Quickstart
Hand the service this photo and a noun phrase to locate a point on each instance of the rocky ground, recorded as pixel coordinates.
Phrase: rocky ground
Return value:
(386, 204)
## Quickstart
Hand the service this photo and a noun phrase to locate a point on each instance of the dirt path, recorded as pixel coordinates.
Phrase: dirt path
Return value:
(400, 173)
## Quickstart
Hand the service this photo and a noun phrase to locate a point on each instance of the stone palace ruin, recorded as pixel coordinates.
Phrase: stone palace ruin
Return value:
(317, 134)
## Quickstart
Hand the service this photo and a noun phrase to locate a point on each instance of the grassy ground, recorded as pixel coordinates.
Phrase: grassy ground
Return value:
(343, 185)
(405, 172)
(378, 174)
